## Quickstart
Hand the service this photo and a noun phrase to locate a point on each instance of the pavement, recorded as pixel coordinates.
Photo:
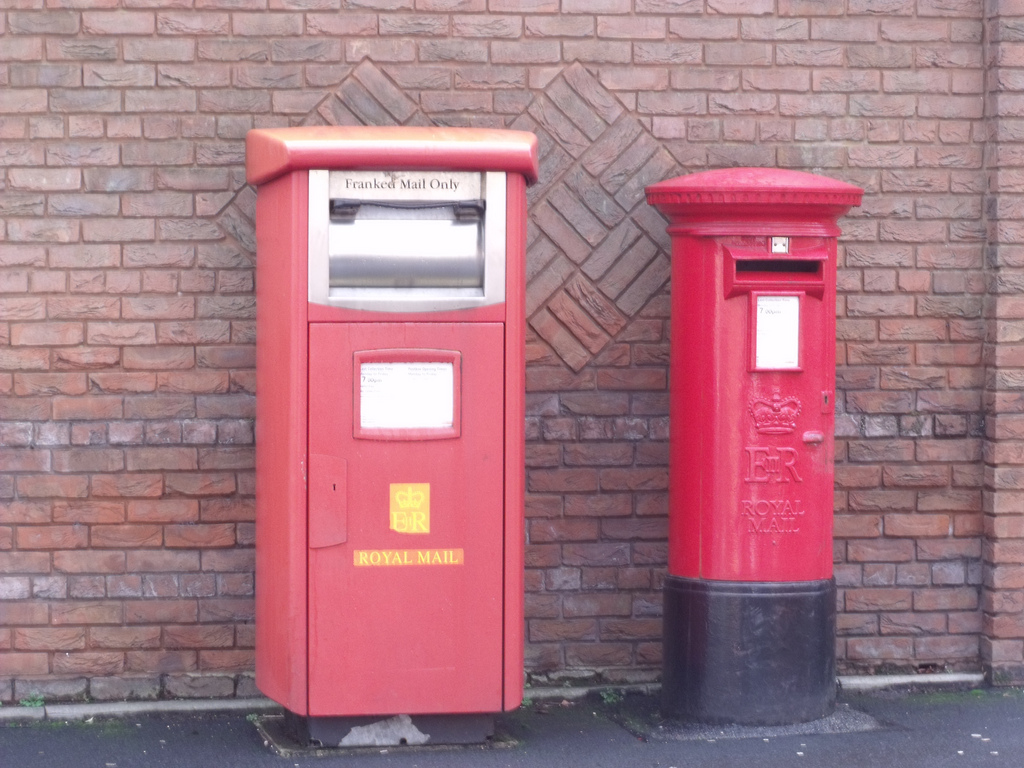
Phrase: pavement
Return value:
(935, 722)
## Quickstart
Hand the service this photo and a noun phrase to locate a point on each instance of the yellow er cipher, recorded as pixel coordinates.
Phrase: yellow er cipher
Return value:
(410, 507)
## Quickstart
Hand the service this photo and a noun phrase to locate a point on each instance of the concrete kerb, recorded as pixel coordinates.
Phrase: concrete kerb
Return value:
(126, 709)
(849, 683)
(862, 683)
(21, 714)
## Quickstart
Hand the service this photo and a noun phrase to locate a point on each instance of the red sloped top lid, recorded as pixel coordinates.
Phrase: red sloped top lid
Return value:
(272, 152)
(763, 186)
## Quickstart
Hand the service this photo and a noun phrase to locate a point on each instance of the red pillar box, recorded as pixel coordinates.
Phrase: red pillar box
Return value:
(750, 599)
(389, 423)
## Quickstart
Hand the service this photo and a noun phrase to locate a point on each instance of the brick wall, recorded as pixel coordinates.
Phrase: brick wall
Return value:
(126, 305)
(1003, 543)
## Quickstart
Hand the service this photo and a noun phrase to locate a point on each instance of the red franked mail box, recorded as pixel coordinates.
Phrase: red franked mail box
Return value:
(390, 458)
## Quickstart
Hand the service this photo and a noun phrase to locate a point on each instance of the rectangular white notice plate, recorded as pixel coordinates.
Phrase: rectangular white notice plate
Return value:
(410, 395)
(777, 332)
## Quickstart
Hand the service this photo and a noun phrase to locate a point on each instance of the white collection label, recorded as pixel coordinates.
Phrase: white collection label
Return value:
(777, 332)
(405, 185)
(406, 395)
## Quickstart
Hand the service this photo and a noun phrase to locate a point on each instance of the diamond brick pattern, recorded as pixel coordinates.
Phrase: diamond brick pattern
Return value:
(596, 253)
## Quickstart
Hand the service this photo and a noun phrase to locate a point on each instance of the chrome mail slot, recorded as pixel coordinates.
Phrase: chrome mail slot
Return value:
(399, 240)
(378, 244)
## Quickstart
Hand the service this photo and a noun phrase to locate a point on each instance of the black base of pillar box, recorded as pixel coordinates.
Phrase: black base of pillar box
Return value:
(749, 653)
(389, 731)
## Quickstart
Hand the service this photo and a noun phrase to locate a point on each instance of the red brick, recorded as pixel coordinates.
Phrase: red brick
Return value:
(88, 460)
(947, 648)
(879, 649)
(20, 460)
(547, 630)
(47, 486)
(52, 537)
(124, 637)
(917, 525)
(168, 458)
(22, 664)
(597, 604)
(226, 610)
(162, 562)
(621, 529)
(85, 612)
(161, 662)
(125, 536)
(912, 623)
(88, 664)
(88, 512)
(562, 480)
(915, 476)
(883, 551)
(24, 613)
(879, 600)
(563, 530)
(49, 639)
(88, 562)
(205, 484)
(46, 334)
(199, 636)
(235, 585)
(200, 535)
(49, 384)
(227, 660)
(852, 476)
(223, 510)
(91, 408)
(160, 611)
(127, 485)
(25, 562)
(630, 629)
(225, 560)
(948, 599)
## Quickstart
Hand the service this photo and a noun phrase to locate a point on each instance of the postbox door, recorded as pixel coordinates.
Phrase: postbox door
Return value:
(752, 481)
(406, 518)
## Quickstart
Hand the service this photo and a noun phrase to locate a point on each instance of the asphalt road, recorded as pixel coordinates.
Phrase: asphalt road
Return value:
(930, 730)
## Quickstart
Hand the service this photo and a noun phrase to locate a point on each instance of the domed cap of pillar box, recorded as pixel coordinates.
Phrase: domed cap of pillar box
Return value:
(754, 195)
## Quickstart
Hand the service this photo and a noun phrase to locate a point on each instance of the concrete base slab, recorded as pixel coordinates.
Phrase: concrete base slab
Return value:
(280, 738)
(843, 719)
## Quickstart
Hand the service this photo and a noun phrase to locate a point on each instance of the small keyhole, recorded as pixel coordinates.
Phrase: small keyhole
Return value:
(334, 486)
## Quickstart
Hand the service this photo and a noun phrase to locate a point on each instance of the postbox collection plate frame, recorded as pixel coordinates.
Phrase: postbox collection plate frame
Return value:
(401, 356)
(753, 335)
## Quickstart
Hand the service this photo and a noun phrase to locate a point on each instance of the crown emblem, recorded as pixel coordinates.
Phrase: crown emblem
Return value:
(410, 498)
(775, 416)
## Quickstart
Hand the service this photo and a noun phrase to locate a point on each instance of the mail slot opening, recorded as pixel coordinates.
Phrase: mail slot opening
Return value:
(747, 269)
(417, 240)
(802, 266)
(406, 244)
